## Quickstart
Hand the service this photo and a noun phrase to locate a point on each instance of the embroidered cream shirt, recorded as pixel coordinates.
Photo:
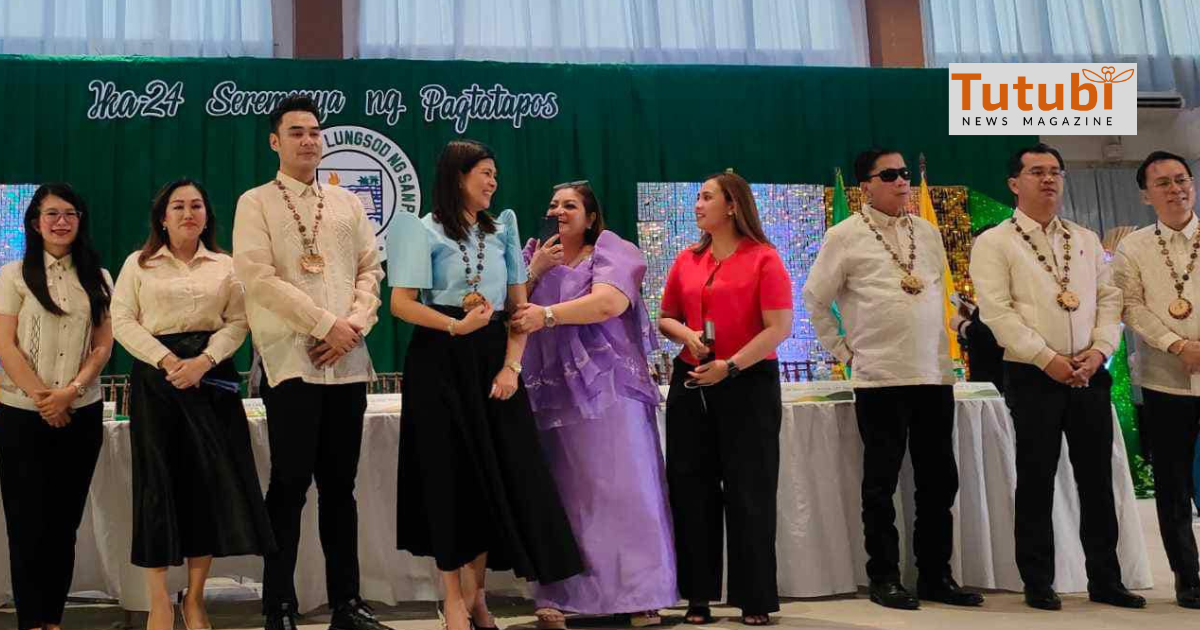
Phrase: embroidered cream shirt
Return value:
(892, 337)
(55, 346)
(170, 296)
(1140, 270)
(1018, 298)
(290, 310)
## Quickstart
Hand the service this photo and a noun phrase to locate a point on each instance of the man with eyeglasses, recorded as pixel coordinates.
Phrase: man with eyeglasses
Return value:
(883, 267)
(1154, 268)
(1045, 290)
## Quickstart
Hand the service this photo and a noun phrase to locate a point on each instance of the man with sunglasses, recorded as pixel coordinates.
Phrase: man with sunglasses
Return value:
(883, 268)
(1154, 268)
(1046, 292)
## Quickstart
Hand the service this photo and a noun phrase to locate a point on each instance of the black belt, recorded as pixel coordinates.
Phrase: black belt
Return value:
(458, 313)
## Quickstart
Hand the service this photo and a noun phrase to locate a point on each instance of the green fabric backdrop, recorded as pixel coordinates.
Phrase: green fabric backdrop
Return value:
(616, 126)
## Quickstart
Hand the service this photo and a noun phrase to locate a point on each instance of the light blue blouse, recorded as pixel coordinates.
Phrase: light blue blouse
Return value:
(421, 256)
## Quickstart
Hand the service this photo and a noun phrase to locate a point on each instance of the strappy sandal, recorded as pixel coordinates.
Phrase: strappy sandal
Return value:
(756, 620)
(698, 616)
(550, 619)
(645, 618)
(491, 618)
(445, 626)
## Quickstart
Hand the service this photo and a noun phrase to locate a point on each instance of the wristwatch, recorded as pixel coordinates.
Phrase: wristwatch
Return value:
(548, 318)
(515, 366)
(732, 368)
(79, 389)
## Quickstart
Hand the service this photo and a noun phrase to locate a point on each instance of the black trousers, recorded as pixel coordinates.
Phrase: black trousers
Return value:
(1176, 423)
(1043, 410)
(723, 467)
(919, 418)
(45, 474)
(315, 432)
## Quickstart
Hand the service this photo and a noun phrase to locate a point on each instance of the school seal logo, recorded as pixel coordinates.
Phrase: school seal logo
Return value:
(376, 169)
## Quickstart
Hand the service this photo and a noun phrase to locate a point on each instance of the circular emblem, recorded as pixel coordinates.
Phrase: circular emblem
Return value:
(374, 168)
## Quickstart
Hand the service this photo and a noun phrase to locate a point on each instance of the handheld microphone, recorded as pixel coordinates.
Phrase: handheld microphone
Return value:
(709, 336)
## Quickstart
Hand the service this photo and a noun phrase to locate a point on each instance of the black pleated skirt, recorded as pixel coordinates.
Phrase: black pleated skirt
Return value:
(195, 487)
(472, 478)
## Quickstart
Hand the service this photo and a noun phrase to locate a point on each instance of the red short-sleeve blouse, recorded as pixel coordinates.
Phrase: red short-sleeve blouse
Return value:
(731, 293)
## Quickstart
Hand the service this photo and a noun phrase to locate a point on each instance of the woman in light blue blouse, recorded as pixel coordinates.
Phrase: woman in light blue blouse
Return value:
(473, 491)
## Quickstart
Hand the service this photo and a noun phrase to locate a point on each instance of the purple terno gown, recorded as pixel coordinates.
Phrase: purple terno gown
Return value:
(595, 404)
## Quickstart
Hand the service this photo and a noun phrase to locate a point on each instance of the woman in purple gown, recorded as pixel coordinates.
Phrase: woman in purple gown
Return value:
(588, 380)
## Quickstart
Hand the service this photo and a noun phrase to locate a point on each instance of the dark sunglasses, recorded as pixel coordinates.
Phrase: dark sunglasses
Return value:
(581, 182)
(891, 174)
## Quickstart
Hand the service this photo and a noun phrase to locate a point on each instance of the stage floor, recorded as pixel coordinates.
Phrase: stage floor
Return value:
(231, 609)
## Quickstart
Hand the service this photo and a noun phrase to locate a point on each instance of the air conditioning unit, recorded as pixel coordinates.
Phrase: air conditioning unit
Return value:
(1159, 100)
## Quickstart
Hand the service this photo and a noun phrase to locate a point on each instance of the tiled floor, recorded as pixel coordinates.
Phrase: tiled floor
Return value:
(1002, 611)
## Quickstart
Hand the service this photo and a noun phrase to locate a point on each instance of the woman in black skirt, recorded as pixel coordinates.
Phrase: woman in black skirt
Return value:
(55, 337)
(179, 311)
(473, 491)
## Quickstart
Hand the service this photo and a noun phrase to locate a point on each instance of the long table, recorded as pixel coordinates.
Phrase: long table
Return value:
(820, 547)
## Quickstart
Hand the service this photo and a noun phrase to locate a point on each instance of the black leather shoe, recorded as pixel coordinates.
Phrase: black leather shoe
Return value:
(355, 615)
(1188, 597)
(282, 619)
(1187, 592)
(892, 595)
(1042, 599)
(947, 591)
(1117, 595)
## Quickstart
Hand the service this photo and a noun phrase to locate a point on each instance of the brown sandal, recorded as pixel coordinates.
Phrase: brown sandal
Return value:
(645, 618)
(550, 619)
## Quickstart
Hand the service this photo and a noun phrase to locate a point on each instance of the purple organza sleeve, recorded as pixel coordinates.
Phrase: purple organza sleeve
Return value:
(619, 263)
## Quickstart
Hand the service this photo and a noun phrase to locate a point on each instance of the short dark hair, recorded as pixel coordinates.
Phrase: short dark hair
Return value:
(293, 103)
(1015, 165)
(456, 160)
(591, 207)
(865, 162)
(1159, 156)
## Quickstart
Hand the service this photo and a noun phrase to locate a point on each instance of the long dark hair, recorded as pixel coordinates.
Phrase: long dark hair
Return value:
(745, 211)
(456, 160)
(83, 255)
(158, 212)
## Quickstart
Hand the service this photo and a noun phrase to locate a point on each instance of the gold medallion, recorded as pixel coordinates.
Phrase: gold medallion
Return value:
(1180, 308)
(312, 262)
(473, 300)
(911, 284)
(1068, 300)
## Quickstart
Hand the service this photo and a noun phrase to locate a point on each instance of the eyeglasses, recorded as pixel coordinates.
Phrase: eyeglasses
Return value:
(53, 216)
(1162, 184)
(1042, 173)
(892, 174)
(581, 182)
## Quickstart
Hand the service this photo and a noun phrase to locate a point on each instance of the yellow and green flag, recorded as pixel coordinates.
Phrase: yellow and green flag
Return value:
(929, 215)
(841, 212)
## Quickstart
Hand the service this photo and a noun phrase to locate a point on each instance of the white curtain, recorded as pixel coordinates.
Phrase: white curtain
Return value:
(753, 32)
(174, 28)
(1161, 36)
(1104, 197)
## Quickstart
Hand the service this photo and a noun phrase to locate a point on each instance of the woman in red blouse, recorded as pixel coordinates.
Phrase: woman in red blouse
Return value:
(724, 407)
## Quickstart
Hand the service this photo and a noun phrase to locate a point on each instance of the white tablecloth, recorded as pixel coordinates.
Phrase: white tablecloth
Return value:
(820, 544)
(820, 534)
